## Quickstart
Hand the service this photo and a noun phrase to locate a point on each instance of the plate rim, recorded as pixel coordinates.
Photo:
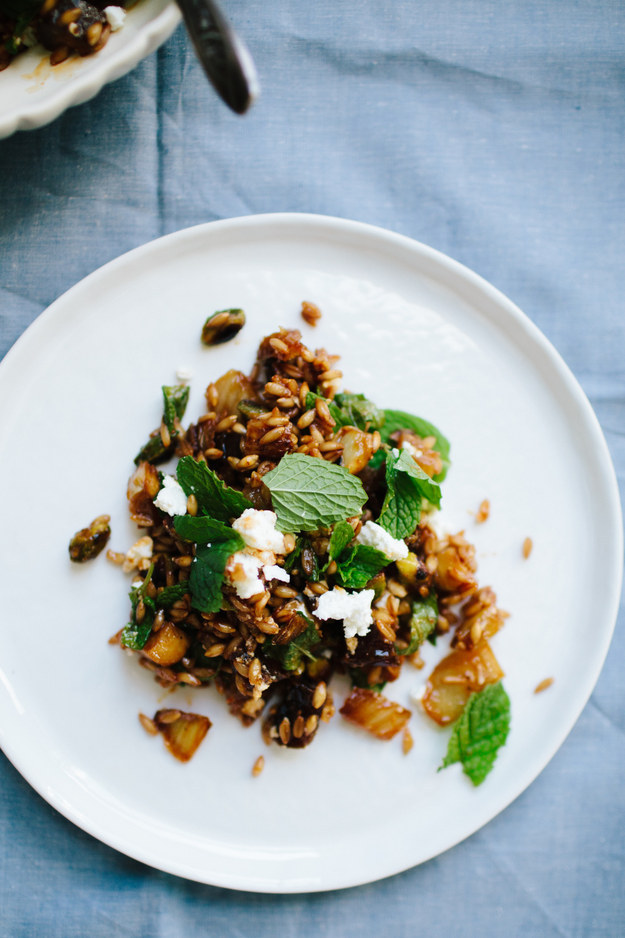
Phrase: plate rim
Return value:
(308, 222)
(82, 88)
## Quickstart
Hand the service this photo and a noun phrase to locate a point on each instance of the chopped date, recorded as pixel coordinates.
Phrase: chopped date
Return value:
(294, 721)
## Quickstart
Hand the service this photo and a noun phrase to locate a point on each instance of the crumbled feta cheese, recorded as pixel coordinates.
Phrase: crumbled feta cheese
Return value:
(171, 498)
(353, 608)
(410, 449)
(274, 572)
(258, 530)
(243, 571)
(115, 16)
(184, 374)
(138, 555)
(374, 535)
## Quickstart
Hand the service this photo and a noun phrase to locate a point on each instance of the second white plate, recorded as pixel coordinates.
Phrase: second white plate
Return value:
(416, 331)
(33, 93)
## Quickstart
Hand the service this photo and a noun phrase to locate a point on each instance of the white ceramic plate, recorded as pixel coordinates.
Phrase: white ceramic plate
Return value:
(416, 331)
(33, 93)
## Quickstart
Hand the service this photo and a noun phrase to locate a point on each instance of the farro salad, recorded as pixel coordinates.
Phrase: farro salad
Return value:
(293, 538)
(64, 27)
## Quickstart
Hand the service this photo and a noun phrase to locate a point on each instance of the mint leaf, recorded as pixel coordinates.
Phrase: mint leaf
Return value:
(400, 420)
(136, 634)
(214, 497)
(350, 410)
(342, 534)
(480, 732)
(171, 594)
(217, 542)
(407, 485)
(207, 576)
(358, 565)
(204, 530)
(175, 400)
(290, 655)
(309, 493)
(423, 619)
(357, 411)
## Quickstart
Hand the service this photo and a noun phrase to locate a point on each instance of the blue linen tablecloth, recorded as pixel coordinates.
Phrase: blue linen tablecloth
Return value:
(493, 131)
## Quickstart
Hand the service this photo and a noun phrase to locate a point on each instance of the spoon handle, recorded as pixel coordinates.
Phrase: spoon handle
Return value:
(223, 54)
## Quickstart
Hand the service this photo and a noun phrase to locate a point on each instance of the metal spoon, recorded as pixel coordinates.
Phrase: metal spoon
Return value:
(223, 54)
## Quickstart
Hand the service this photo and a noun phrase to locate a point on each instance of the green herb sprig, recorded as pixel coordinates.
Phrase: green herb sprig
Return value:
(480, 732)
(406, 487)
(309, 493)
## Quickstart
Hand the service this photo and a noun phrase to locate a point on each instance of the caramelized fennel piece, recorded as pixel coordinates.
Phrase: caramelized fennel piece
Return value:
(181, 732)
(232, 388)
(167, 646)
(455, 678)
(375, 713)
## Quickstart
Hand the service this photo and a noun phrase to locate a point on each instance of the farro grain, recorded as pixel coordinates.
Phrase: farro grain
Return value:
(396, 588)
(483, 512)
(214, 651)
(94, 34)
(311, 724)
(320, 694)
(323, 410)
(226, 423)
(169, 716)
(183, 561)
(268, 626)
(254, 671)
(271, 436)
(278, 345)
(306, 419)
(242, 686)
(284, 592)
(276, 390)
(115, 556)
(548, 681)
(310, 313)
(165, 435)
(248, 462)
(186, 678)
(148, 725)
(241, 666)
